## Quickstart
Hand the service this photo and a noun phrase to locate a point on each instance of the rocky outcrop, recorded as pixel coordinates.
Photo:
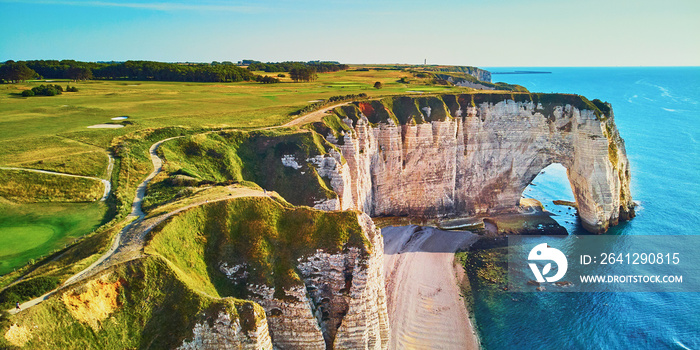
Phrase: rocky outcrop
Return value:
(347, 294)
(226, 332)
(338, 303)
(333, 167)
(291, 323)
(474, 154)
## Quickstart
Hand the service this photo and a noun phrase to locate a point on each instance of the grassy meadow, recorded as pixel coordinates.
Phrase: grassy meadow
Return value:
(89, 163)
(31, 187)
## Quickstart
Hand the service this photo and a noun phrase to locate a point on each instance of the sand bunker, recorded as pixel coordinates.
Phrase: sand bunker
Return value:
(105, 126)
(97, 300)
(18, 335)
(120, 118)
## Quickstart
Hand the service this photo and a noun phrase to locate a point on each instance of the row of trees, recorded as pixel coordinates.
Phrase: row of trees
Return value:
(319, 66)
(148, 70)
(266, 79)
(130, 70)
(65, 69)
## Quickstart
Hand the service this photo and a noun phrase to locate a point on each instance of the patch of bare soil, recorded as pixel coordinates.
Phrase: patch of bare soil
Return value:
(93, 302)
(18, 335)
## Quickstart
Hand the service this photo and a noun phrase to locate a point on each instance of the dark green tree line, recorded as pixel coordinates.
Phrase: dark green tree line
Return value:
(14, 72)
(138, 70)
(321, 67)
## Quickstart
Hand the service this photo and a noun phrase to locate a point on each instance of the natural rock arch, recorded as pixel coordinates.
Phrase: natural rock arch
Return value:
(475, 154)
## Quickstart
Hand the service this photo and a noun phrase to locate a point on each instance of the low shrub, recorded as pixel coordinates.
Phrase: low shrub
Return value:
(47, 90)
(26, 290)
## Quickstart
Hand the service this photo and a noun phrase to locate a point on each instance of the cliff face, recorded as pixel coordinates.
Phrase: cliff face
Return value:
(340, 302)
(475, 154)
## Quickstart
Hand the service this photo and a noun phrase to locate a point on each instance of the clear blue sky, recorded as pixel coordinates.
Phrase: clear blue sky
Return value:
(466, 32)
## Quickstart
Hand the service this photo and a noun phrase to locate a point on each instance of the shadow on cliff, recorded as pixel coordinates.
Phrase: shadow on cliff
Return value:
(413, 238)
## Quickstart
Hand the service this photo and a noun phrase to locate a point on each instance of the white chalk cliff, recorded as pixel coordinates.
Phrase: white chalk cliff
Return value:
(471, 155)
(340, 302)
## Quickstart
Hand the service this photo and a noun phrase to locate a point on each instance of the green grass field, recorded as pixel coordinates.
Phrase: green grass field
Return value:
(90, 163)
(28, 231)
(29, 187)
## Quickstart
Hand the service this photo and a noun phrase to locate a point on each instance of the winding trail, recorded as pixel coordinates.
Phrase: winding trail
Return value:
(106, 182)
(128, 243)
(423, 297)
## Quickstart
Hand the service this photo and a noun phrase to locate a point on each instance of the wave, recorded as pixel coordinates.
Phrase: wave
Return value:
(665, 92)
(690, 136)
(680, 344)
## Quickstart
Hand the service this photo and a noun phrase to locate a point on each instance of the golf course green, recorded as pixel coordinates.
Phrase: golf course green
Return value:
(29, 231)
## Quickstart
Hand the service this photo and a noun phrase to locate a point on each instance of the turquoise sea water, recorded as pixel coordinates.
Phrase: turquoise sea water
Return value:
(657, 111)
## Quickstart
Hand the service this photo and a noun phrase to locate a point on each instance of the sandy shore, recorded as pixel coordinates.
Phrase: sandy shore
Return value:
(425, 307)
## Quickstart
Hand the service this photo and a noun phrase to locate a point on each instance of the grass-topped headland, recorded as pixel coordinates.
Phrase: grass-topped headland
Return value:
(261, 236)
(156, 300)
(277, 160)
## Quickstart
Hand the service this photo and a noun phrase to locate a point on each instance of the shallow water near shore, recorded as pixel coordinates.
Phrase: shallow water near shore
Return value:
(657, 111)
